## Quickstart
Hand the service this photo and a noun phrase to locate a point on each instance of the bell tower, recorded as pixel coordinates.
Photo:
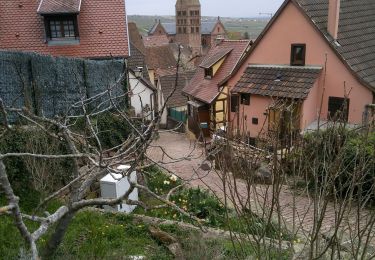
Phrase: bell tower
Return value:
(188, 24)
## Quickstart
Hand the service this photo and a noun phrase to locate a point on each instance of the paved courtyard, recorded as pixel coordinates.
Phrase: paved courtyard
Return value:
(184, 158)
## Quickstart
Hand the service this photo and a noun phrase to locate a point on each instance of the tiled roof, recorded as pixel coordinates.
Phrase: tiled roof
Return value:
(59, 6)
(170, 28)
(160, 57)
(168, 86)
(209, 61)
(135, 37)
(156, 40)
(136, 60)
(278, 81)
(356, 34)
(206, 90)
(165, 72)
(207, 27)
(102, 28)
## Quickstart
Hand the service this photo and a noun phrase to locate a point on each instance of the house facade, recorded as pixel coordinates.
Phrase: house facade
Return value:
(207, 100)
(76, 28)
(303, 70)
(142, 94)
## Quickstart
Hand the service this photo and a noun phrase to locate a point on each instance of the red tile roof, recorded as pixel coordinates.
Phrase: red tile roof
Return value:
(102, 29)
(206, 90)
(59, 6)
(160, 57)
(156, 40)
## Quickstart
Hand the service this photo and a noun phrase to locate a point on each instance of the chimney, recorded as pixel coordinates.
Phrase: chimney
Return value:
(333, 18)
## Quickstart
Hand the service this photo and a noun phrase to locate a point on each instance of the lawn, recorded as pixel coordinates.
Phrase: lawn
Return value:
(94, 235)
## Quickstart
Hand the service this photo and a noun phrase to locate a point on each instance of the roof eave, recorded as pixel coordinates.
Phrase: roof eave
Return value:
(58, 13)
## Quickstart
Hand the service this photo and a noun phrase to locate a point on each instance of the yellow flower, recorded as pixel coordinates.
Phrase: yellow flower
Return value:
(167, 182)
(173, 178)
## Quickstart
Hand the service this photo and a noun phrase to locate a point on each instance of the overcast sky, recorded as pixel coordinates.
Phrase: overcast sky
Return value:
(224, 8)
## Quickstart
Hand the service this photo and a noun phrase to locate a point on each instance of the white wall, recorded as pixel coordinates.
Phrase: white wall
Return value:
(141, 98)
(161, 102)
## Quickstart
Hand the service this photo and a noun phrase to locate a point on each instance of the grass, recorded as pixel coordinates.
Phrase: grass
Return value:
(107, 236)
(205, 206)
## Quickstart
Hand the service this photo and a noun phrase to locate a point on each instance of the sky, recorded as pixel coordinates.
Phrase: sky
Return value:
(223, 8)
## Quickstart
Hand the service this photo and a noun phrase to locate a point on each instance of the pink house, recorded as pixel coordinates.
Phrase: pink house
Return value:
(315, 59)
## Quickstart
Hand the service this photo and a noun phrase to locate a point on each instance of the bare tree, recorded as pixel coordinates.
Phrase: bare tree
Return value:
(90, 159)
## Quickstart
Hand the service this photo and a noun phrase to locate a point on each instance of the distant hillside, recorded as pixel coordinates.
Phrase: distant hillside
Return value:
(253, 26)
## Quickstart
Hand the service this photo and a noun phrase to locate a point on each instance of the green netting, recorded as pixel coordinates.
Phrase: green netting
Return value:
(49, 86)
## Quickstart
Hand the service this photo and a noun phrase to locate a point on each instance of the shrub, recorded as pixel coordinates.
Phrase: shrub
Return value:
(112, 129)
(343, 158)
(31, 178)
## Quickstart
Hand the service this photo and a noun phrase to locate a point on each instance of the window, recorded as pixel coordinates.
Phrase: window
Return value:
(196, 13)
(184, 29)
(61, 27)
(192, 29)
(204, 42)
(179, 30)
(179, 13)
(234, 103)
(245, 99)
(255, 120)
(208, 73)
(197, 29)
(338, 108)
(298, 54)
(184, 13)
(191, 13)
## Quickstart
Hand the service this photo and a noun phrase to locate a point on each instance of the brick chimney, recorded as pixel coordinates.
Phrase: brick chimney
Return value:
(333, 18)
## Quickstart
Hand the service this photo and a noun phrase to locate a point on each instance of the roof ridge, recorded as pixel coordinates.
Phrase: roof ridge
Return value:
(284, 66)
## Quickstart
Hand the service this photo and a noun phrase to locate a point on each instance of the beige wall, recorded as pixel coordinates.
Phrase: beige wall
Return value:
(220, 105)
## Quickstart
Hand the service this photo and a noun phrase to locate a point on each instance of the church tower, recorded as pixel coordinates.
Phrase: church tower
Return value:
(188, 24)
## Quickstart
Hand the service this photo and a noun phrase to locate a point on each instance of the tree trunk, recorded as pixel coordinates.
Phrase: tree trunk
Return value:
(58, 235)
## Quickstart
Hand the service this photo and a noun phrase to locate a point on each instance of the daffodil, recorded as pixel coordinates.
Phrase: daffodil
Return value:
(173, 178)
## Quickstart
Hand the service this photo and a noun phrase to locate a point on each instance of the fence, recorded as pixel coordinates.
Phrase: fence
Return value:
(49, 86)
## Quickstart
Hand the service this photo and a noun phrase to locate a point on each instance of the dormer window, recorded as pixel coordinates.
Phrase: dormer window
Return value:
(60, 21)
(212, 63)
(298, 54)
(208, 73)
(61, 27)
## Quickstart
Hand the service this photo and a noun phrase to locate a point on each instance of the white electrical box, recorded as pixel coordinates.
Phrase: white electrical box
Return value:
(113, 186)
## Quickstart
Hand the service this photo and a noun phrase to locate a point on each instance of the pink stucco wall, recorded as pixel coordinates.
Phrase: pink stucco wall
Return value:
(311, 106)
(293, 27)
(256, 109)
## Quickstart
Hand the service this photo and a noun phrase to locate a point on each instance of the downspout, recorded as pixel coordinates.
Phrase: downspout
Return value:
(152, 103)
